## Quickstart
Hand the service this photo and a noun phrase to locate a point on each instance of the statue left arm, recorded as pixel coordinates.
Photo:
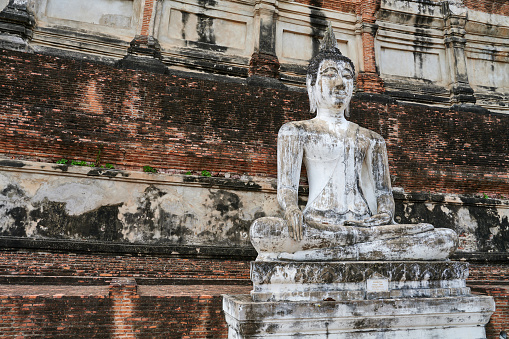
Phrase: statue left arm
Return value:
(383, 189)
(382, 184)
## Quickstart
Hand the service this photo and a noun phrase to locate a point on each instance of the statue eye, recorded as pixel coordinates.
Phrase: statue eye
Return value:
(329, 73)
(347, 75)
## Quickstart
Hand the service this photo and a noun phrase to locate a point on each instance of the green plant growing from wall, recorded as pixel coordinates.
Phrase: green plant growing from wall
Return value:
(149, 169)
(98, 157)
(206, 173)
(82, 163)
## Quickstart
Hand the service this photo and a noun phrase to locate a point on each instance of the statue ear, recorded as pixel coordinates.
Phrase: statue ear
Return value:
(347, 111)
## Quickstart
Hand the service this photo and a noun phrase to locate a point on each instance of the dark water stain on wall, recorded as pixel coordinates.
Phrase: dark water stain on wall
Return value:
(416, 212)
(488, 219)
(205, 24)
(185, 17)
(229, 205)
(205, 29)
(142, 221)
(53, 221)
(174, 227)
(316, 14)
(19, 215)
(150, 219)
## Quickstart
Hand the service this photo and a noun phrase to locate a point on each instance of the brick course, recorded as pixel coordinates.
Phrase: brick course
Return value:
(125, 311)
(46, 264)
(500, 7)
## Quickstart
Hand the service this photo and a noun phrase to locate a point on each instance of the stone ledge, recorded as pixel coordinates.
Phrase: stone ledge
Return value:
(451, 317)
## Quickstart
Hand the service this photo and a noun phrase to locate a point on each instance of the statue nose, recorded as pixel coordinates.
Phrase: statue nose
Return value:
(340, 83)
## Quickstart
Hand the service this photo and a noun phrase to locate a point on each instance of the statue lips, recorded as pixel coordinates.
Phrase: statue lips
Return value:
(340, 94)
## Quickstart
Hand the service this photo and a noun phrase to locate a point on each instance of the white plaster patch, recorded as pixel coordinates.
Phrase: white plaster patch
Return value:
(465, 221)
(115, 13)
(84, 196)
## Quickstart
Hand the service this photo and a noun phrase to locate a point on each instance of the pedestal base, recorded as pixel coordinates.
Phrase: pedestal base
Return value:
(447, 317)
(358, 300)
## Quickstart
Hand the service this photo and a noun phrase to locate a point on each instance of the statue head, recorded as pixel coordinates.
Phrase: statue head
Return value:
(330, 75)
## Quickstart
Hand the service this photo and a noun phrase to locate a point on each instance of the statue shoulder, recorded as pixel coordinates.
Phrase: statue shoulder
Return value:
(293, 128)
(369, 134)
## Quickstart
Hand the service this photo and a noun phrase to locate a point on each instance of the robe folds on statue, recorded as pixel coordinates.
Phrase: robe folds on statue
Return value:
(348, 171)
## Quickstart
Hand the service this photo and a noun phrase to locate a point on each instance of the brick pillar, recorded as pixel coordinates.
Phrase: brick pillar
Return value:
(124, 294)
(16, 26)
(264, 61)
(368, 79)
(455, 20)
(144, 52)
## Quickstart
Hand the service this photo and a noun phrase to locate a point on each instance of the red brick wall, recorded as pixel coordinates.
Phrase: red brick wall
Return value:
(489, 273)
(161, 311)
(493, 280)
(346, 6)
(122, 311)
(55, 108)
(104, 267)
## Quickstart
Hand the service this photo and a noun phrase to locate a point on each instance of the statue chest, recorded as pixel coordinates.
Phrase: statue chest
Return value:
(333, 147)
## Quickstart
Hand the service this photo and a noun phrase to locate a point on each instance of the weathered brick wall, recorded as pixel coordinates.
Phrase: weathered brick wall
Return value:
(123, 310)
(500, 7)
(489, 273)
(56, 108)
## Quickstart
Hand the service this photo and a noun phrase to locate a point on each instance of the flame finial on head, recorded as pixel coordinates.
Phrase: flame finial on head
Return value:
(329, 42)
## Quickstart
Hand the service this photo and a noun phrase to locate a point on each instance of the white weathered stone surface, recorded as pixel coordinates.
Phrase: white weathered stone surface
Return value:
(458, 317)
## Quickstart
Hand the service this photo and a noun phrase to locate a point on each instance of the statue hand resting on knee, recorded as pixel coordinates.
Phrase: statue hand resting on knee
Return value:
(350, 209)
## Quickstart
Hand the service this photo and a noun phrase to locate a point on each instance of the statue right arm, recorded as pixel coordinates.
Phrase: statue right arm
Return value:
(289, 162)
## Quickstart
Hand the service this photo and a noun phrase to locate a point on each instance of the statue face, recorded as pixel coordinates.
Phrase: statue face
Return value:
(334, 84)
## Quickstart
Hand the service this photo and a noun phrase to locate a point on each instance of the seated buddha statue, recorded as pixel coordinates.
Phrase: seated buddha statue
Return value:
(350, 209)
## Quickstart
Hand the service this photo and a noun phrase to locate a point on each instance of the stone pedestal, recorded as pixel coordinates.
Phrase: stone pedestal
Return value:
(358, 300)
